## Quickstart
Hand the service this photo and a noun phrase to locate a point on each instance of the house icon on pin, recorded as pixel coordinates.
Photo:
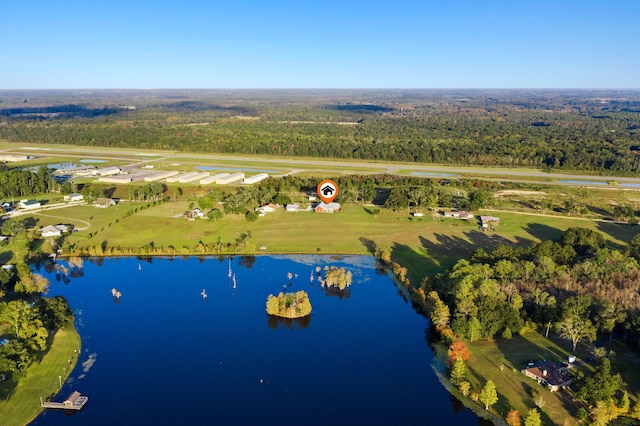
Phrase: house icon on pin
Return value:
(327, 191)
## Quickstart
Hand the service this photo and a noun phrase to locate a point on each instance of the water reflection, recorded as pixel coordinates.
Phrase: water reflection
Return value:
(274, 322)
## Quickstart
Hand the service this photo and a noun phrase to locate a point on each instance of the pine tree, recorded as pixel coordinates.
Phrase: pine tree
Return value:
(533, 418)
(458, 372)
(489, 395)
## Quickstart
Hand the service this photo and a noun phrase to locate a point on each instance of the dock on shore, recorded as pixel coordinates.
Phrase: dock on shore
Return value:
(75, 401)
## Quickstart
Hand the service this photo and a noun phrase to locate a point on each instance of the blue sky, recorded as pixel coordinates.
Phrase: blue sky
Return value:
(320, 44)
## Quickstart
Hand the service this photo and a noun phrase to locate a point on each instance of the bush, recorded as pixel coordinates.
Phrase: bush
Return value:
(251, 216)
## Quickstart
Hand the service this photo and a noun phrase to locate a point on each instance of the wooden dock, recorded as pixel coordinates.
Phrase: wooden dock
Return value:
(75, 401)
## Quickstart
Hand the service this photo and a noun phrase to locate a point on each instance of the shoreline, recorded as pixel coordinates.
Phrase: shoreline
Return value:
(64, 347)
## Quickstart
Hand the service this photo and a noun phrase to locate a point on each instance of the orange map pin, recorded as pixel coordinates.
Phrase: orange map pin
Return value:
(327, 190)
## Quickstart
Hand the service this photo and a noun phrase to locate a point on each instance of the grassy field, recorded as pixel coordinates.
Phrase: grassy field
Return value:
(20, 404)
(425, 246)
(501, 361)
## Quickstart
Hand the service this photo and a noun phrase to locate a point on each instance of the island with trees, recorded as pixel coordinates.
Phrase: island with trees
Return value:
(289, 305)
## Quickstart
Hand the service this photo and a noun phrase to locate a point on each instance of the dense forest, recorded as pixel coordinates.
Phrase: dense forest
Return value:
(597, 131)
(575, 287)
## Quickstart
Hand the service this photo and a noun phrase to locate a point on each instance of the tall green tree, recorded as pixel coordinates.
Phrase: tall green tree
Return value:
(488, 394)
(533, 418)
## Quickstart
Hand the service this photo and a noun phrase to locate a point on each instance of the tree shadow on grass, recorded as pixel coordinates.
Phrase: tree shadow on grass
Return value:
(600, 212)
(6, 256)
(446, 250)
(543, 232)
(619, 231)
(7, 387)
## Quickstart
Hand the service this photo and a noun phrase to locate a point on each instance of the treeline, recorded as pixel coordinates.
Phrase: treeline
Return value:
(501, 292)
(557, 130)
(16, 182)
(30, 318)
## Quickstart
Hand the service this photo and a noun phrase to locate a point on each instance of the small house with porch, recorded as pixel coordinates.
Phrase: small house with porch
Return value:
(548, 374)
(327, 208)
(104, 203)
(54, 230)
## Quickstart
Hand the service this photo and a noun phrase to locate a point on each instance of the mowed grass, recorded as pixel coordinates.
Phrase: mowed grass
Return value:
(502, 361)
(20, 404)
(424, 245)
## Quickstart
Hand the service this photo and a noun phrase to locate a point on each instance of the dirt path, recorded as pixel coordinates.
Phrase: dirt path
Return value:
(87, 224)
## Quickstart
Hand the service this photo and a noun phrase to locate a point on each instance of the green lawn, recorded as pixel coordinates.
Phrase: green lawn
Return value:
(20, 404)
(425, 245)
(501, 361)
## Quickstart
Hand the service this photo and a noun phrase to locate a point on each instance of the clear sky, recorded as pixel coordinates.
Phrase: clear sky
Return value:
(320, 44)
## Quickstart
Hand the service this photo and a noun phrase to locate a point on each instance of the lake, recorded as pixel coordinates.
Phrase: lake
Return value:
(163, 354)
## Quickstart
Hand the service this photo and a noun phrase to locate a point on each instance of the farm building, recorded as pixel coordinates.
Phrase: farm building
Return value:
(486, 220)
(176, 178)
(119, 179)
(255, 178)
(107, 171)
(214, 178)
(195, 177)
(29, 204)
(234, 177)
(10, 158)
(159, 175)
(74, 197)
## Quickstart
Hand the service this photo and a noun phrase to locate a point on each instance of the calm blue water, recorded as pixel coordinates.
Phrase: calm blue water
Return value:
(164, 356)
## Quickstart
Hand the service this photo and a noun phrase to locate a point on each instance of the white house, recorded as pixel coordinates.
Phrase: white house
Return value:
(267, 208)
(292, 207)
(54, 230)
(103, 203)
(327, 208)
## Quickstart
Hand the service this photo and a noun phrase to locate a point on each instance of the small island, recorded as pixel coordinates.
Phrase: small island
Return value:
(289, 305)
(337, 277)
